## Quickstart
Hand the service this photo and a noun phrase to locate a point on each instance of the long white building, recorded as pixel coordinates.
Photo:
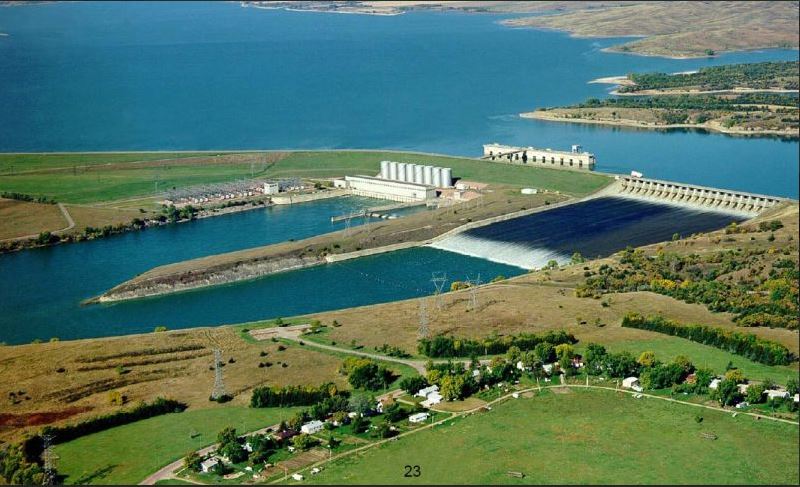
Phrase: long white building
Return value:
(387, 189)
(575, 159)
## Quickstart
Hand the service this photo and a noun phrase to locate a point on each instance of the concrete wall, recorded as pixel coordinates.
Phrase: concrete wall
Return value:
(530, 156)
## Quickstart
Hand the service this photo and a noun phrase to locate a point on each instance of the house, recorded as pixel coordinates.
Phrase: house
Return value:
(427, 390)
(743, 388)
(520, 365)
(714, 383)
(312, 427)
(476, 373)
(632, 383)
(691, 379)
(433, 398)
(515, 395)
(776, 393)
(797, 398)
(208, 464)
(297, 476)
(418, 418)
(248, 447)
(548, 368)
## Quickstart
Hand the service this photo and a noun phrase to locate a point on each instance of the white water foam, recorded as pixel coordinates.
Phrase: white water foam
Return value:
(687, 205)
(510, 253)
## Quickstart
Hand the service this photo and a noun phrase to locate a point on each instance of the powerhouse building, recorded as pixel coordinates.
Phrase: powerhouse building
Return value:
(387, 189)
(576, 158)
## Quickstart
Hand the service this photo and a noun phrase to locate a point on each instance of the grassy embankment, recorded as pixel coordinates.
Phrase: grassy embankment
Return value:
(617, 439)
(679, 29)
(103, 189)
(127, 454)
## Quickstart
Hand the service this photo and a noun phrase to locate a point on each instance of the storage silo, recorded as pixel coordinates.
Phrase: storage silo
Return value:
(409, 173)
(447, 177)
(401, 171)
(419, 178)
(384, 169)
(427, 175)
(437, 177)
(393, 171)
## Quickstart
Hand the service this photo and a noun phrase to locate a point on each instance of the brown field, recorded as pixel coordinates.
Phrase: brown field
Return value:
(173, 364)
(681, 29)
(99, 217)
(20, 218)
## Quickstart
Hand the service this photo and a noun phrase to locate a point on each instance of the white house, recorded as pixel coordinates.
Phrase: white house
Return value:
(208, 464)
(548, 368)
(632, 383)
(743, 388)
(776, 393)
(424, 392)
(432, 398)
(297, 476)
(714, 383)
(418, 418)
(312, 427)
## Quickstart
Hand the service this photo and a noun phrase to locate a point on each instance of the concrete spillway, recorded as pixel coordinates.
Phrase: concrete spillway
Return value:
(693, 196)
(594, 228)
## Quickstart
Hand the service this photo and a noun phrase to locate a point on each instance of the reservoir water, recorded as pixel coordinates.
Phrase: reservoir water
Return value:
(213, 75)
(43, 288)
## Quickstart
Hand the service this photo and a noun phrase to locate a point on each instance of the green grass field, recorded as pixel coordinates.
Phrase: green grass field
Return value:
(127, 454)
(582, 436)
(666, 349)
(126, 179)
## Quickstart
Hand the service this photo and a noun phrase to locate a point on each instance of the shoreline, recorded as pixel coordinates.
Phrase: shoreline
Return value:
(545, 116)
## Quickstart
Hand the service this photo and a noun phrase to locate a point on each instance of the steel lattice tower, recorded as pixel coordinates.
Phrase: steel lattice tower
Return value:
(219, 384)
(439, 279)
(423, 331)
(49, 459)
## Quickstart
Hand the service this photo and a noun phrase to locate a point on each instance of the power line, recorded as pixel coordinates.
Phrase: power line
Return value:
(473, 292)
(439, 279)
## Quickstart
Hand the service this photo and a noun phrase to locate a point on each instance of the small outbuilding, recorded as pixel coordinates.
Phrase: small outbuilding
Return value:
(632, 383)
(427, 390)
(208, 464)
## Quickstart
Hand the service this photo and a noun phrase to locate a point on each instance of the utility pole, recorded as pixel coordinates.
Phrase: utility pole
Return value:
(473, 292)
(219, 385)
(439, 279)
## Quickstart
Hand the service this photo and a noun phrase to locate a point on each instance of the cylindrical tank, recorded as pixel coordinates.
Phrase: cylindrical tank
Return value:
(401, 171)
(419, 178)
(427, 175)
(437, 177)
(447, 177)
(384, 169)
(393, 170)
(409, 173)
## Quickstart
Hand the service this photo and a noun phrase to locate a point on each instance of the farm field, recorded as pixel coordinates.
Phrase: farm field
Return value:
(25, 218)
(581, 436)
(127, 454)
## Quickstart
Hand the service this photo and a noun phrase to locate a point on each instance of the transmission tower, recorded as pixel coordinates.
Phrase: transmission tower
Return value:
(219, 385)
(423, 331)
(439, 279)
(49, 459)
(473, 292)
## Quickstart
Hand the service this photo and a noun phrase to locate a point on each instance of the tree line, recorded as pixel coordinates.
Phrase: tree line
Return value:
(741, 103)
(287, 396)
(449, 346)
(744, 344)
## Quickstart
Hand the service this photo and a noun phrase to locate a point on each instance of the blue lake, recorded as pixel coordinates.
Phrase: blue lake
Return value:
(214, 75)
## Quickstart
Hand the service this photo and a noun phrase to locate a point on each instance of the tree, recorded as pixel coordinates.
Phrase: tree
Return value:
(413, 384)
(727, 393)
(192, 461)
(513, 354)
(755, 393)
(394, 412)
(227, 435)
(577, 258)
(684, 362)
(452, 387)
(360, 404)
(646, 359)
(383, 430)
(234, 451)
(564, 351)
(359, 424)
(792, 386)
(735, 375)
(304, 441)
(545, 352)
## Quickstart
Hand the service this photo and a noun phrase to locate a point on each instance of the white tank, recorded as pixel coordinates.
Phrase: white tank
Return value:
(384, 169)
(447, 177)
(401, 171)
(419, 177)
(410, 172)
(427, 175)
(437, 177)
(393, 170)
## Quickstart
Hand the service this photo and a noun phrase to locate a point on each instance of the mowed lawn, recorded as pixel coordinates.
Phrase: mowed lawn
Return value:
(583, 436)
(127, 454)
(128, 178)
(666, 349)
